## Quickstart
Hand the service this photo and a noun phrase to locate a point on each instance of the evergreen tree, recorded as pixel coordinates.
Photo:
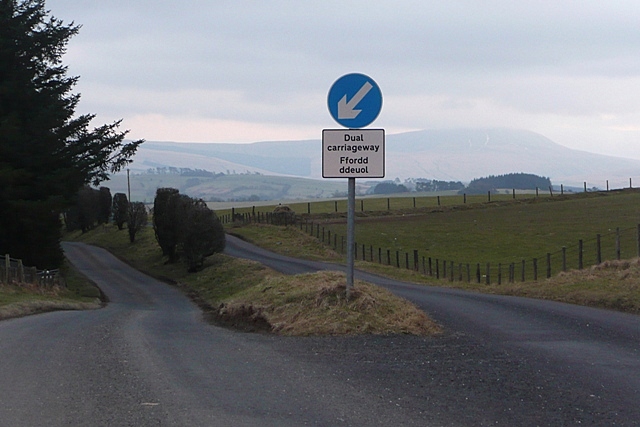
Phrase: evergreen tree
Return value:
(202, 234)
(104, 207)
(120, 209)
(136, 219)
(186, 227)
(164, 223)
(46, 154)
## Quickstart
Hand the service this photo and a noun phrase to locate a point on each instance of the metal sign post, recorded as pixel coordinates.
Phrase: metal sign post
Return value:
(354, 102)
(351, 233)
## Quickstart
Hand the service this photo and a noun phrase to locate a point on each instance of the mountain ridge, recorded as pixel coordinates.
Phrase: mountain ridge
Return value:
(443, 154)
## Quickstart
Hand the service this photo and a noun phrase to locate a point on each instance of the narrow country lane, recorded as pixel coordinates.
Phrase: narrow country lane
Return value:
(148, 358)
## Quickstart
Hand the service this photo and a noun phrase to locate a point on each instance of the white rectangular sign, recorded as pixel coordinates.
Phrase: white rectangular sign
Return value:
(353, 153)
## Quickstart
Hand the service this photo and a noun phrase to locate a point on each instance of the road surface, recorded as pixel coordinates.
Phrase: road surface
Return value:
(148, 358)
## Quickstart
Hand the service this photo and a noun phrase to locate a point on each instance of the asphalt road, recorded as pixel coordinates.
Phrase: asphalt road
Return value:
(148, 358)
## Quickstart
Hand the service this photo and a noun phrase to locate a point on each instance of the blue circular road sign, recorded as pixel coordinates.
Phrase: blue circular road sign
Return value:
(355, 100)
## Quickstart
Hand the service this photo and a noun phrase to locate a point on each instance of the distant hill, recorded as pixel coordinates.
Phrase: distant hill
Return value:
(448, 155)
(245, 187)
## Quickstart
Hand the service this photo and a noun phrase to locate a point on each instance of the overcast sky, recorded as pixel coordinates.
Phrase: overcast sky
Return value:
(245, 71)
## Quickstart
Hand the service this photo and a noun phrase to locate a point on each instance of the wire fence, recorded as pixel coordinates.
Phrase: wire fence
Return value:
(621, 243)
(12, 271)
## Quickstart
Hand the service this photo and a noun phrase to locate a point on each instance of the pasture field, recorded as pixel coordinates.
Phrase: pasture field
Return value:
(500, 232)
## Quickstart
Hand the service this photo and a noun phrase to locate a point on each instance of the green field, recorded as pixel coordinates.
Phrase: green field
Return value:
(500, 232)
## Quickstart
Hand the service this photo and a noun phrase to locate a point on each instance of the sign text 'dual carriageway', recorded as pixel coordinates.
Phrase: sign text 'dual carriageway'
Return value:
(353, 153)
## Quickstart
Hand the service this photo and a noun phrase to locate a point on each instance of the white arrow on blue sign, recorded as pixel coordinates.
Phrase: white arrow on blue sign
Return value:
(355, 100)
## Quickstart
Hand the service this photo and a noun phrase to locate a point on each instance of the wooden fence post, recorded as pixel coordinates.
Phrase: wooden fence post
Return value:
(488, 278)
(523, 275)
(598, 250)
(535, 269)
(618, 243)
(20, 272)
(564, 258)
(580, 254)
(437, 268)
(415, 259)
(548, 265)
(638, 239)
(388, 257)
(451, 272)
(468, 273)
(478, 275)
(499, 273)
(397, 259)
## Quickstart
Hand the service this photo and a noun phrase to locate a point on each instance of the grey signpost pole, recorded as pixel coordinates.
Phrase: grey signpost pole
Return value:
(354, 101)
(351, 231)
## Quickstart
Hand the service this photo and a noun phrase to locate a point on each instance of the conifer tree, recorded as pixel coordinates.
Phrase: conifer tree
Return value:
(47, 152)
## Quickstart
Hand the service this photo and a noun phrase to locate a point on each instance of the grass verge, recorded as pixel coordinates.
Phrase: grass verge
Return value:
(247, 295)
(17, 300)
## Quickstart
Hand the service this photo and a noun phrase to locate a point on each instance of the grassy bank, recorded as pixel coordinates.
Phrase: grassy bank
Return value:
(247, 295)
(18, 300)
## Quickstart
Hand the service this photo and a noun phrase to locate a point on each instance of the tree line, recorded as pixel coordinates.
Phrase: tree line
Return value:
(184, 227)
(518, 181)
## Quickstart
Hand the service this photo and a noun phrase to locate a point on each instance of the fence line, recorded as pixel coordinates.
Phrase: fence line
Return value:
(13, 271)
(410, 202)
(617, 244)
